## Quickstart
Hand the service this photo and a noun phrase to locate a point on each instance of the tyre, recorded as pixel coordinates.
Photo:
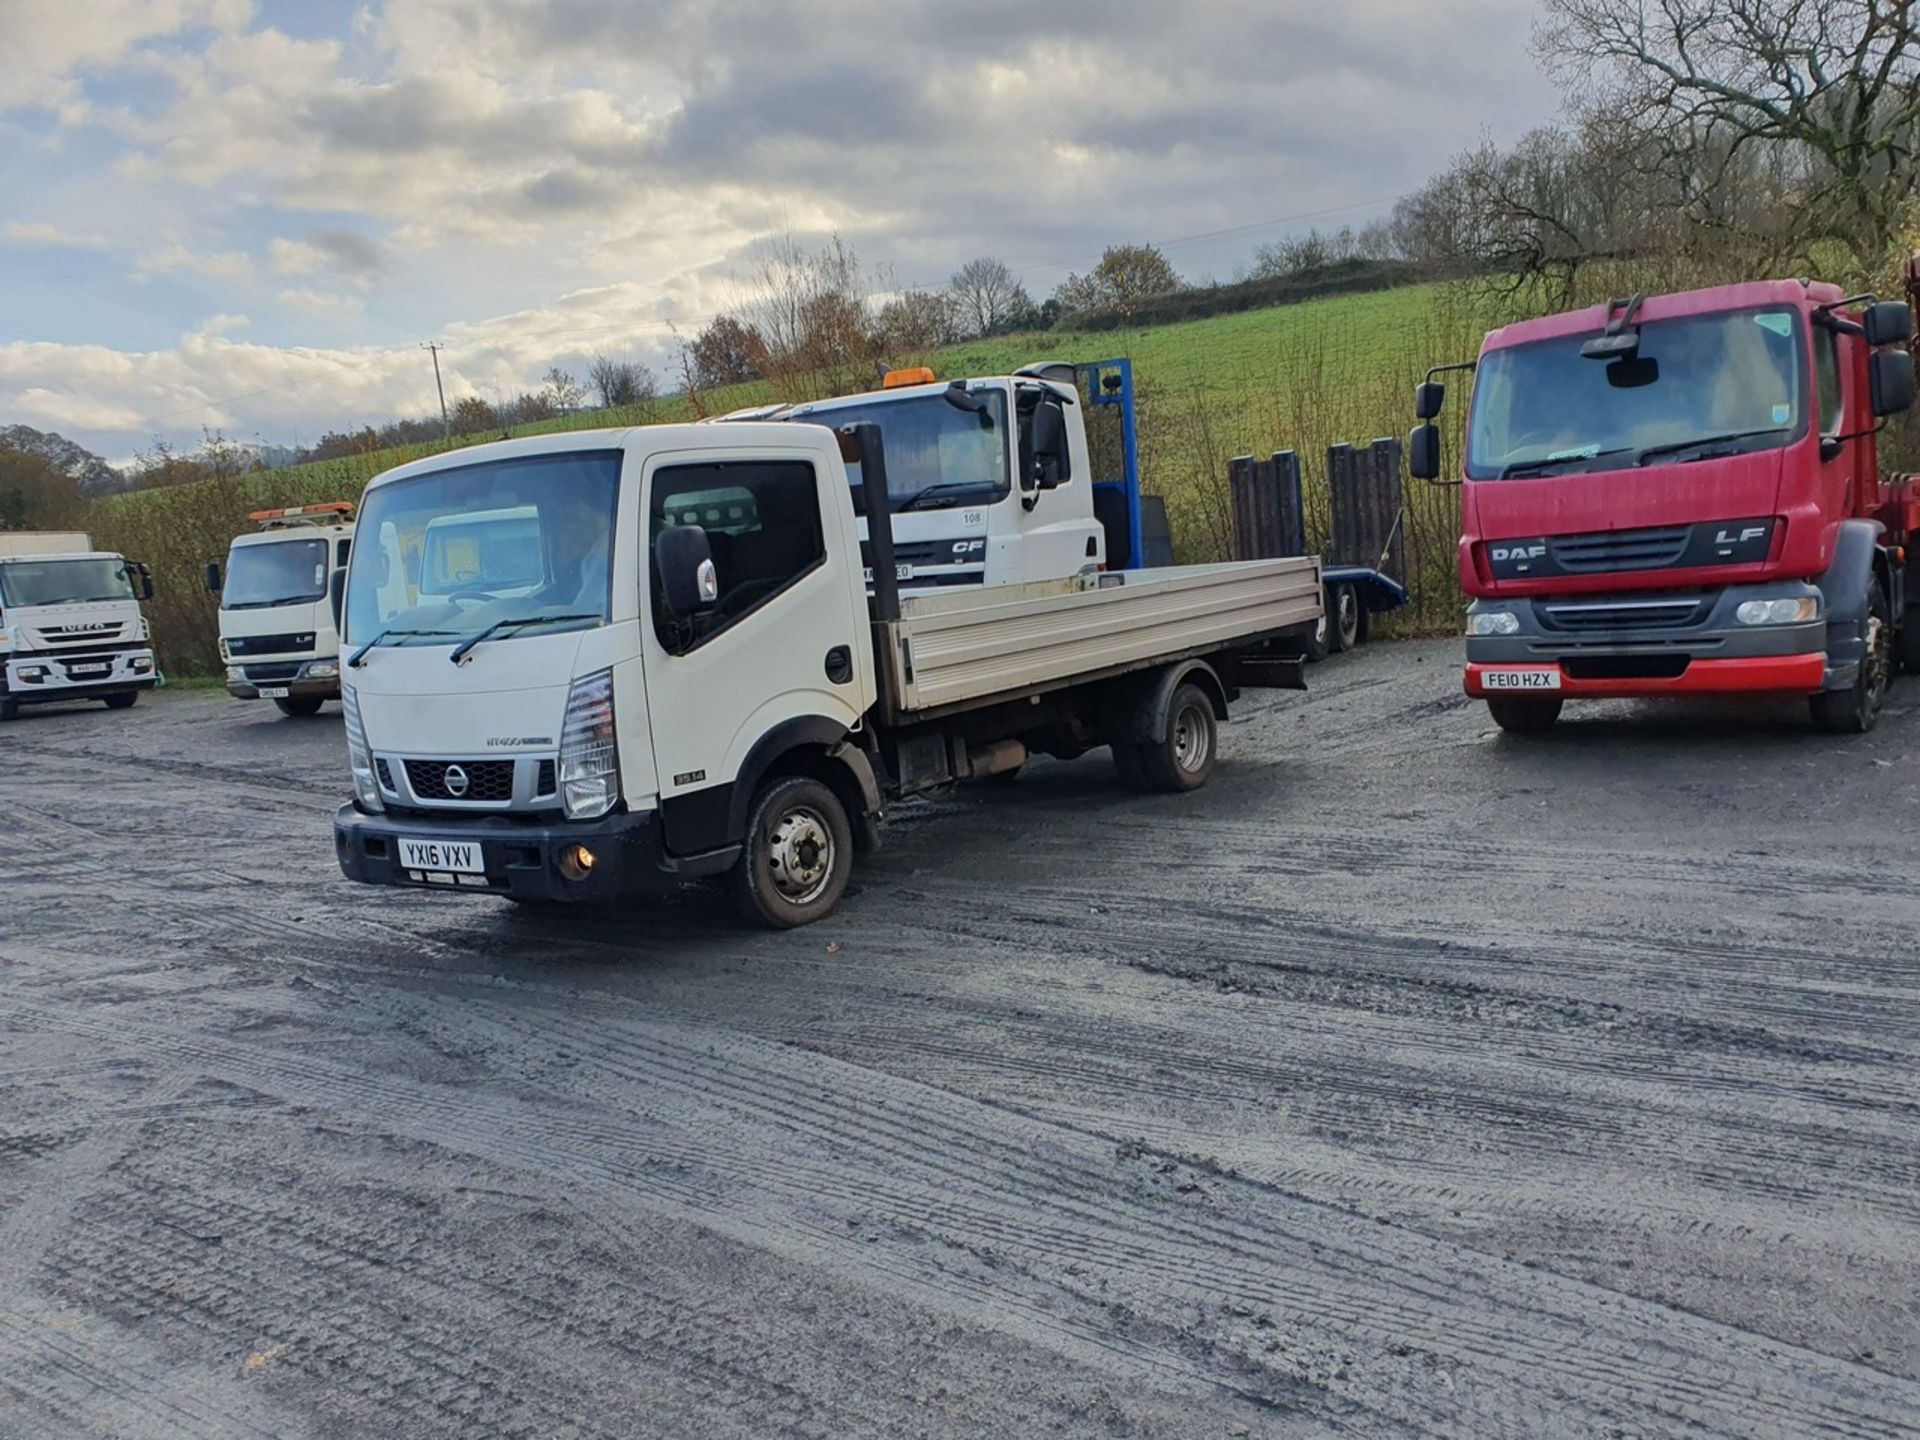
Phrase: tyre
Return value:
(1183, 760)
(798, 855)
(125, 700)
(1524, 714)
(300, 705)
(1316, 642)
(1854, 710)
(1343, 618)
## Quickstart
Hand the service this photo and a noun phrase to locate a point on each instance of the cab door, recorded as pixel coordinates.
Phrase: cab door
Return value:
(786, 640)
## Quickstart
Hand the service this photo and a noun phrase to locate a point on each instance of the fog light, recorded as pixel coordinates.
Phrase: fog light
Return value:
(142, 663)
(576, 862)
(234, 672)
(32, 672)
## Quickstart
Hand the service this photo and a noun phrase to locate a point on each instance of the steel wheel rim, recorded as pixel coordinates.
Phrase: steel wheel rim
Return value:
(1879, 659)
(1192, 739)
(1347, 606)
(800, 855)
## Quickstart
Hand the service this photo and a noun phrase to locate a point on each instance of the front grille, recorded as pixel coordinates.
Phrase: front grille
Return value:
(489, 782)
(1586, 617)
(238, 645)
(64, 635)
(1667, 666)
(931, 552)
(1619, 550)
(271, 674)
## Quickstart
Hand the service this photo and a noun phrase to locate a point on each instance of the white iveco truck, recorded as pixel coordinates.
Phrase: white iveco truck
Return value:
(277, 637)
(701, 684)
(70, 623)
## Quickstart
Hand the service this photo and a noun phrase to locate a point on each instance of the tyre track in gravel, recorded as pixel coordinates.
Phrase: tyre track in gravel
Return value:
(1272, 1037)
(920, 1159)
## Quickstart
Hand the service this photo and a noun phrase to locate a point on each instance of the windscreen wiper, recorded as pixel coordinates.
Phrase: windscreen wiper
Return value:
(1545, 462)
(361, 654)
(460, 650)
(1680, 446)
(945, 490)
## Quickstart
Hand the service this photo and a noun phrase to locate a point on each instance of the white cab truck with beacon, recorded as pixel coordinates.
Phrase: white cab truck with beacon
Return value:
(701, 684)
(277, 637)
(70, 622)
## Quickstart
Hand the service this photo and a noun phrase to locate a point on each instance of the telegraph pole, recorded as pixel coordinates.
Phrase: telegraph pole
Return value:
(434, 347)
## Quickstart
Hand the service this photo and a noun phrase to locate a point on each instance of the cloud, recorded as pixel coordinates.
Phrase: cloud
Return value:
(345, 251)
(178, 256)
(43, 236)
(50, 42)
(322, 304)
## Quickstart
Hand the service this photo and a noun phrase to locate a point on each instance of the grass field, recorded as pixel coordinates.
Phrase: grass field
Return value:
(1301, 377)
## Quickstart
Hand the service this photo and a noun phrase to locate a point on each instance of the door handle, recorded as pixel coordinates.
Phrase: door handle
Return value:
(840, 664)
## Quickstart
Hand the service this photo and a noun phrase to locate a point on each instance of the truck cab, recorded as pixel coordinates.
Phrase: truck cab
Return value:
(970, 503)
(277, 638)
(70, 623)
(1679, 494)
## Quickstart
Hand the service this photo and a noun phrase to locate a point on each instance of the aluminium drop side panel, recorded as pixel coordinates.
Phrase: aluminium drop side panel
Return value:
(963, 648)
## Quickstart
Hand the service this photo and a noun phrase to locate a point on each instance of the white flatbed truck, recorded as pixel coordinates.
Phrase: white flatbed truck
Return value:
(703, 685)
(277, 638)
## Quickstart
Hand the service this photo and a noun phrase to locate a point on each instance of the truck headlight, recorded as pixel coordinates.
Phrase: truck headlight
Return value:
(1493, 622)
(234, 672)
(589, 753)
(323, 670)
(1777, 612)
(366, 787)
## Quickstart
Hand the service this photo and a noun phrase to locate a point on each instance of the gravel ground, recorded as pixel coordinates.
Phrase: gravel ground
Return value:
(1411, 1080)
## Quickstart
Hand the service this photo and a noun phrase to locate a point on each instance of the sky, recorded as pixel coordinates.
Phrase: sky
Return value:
(247, 215)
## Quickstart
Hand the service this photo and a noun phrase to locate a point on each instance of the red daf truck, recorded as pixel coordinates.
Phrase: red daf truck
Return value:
(1679, 494)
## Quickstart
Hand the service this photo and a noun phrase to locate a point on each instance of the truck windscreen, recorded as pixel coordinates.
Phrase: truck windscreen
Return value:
(281, 572)
(523, 544)
(938, 455)
(1703, 385)
(64, 582)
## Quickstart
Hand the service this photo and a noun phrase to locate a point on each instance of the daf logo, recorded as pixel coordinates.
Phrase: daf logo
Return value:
(1519, 552)
(456, 781)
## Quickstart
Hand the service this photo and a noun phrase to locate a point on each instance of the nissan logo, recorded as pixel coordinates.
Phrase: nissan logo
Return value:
(456, 781)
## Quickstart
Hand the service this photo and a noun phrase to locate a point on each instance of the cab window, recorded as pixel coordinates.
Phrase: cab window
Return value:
(1826, 358)
(762, 520)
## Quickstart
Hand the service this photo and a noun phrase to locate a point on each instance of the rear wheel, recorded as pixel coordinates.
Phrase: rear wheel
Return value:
(798, 855)
(1523, 714)
(1906, 644)
(1184, 759)
(1854, 710)
(125, 700)
(300, 705)
(1316, 641)
(1343, 615)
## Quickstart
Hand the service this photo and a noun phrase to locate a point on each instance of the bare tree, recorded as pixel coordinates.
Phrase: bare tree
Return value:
(986, 296)
(1126, 275)
(562, 389)
(916, 321)
(622, 382)
(810, 308)
(1827, 90)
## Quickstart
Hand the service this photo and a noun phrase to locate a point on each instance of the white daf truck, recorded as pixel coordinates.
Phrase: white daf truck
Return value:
(701, 683)
(70, 622)
(277, 637)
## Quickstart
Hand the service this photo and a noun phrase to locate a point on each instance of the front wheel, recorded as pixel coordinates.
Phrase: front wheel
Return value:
(798, 855)
(1854, 710)
(298, 705)
(124, 700)
(1523, 714)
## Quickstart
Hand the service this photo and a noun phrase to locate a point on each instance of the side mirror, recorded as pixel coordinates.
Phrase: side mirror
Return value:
(1428, 397)
(1050, 464)
(1889, 322)
(337, 596)
(1890, 381)
(683, 559)
(1423, 452)
(213, 577)
(146, 577)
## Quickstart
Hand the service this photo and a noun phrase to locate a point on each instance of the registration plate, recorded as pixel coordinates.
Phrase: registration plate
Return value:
(901, 571)
(88, 669)
(273, 692)
(1545, 679)
(452, 857)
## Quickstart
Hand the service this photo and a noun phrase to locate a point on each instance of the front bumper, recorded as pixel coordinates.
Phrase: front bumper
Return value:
(246, 685)
(39, 678)
(1626, 646)
(522, 859)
